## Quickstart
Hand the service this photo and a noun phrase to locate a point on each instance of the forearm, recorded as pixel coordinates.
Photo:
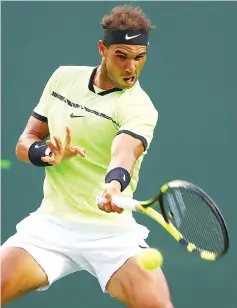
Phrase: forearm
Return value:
(23, 145)
(124, 154)
(123, 160)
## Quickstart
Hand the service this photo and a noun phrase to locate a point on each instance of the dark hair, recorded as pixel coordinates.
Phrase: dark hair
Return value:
(127, 17)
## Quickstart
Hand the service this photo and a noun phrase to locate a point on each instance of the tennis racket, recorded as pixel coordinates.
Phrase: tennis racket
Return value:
(189, 215)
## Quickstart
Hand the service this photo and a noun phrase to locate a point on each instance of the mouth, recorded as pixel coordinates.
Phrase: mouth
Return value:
(129, 80)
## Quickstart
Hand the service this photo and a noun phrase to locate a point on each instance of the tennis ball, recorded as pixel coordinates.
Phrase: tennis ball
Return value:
(5, 164)
(150, 259)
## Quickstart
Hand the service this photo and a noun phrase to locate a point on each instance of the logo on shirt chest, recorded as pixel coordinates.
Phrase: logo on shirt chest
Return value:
(72, 115)
(84, 108)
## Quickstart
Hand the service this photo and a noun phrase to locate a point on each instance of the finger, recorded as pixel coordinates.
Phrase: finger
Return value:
(68, 139)
(104, 204)
(108, 208)
(105, 208)
(101, 206)
(51, 146)
(100, 202)
(48, 160)
(116, 209)
(58, 142)
(80, 151)
(107, 195)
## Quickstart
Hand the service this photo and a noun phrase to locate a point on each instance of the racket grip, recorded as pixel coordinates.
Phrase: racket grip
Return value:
(123, 202)
(126, 203)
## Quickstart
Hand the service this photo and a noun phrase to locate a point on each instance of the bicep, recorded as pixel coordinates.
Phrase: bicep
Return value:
(128, 144)
(125, 151)
(139, 123)
(37, 128)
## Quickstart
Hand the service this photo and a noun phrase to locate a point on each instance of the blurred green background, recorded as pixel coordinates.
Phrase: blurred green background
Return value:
(191, 77)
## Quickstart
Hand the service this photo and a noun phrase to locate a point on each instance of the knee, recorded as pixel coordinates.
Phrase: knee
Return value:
(156, 302)
(159, 304)
(7, 282)
(5, 287)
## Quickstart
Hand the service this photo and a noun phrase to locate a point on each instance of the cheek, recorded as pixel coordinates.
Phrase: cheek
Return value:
(116, 62)
(115, 66)
(140, 65)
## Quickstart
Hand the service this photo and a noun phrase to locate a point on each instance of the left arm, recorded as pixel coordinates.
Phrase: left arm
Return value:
(124, 154)
(137, 123)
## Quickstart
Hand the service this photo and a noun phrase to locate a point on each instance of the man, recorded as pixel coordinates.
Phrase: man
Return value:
(104, 111)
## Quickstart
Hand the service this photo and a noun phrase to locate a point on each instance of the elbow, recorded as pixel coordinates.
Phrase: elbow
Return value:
(21, 151)
(18, 150)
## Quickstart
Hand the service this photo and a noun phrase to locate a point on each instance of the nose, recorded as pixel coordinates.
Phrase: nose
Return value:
(130, 67)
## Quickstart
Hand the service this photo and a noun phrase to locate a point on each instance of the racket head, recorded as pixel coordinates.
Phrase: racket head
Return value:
(194, 214)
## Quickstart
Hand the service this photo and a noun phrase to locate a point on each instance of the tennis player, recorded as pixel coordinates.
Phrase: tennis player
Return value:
(101, 123)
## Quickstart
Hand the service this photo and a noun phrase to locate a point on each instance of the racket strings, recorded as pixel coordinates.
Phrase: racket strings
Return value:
(194, 219)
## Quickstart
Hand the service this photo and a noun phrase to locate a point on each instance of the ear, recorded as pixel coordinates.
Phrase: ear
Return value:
(102, 48)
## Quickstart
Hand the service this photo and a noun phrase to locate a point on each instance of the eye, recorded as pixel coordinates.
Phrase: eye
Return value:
(140, 57)
(121, 57)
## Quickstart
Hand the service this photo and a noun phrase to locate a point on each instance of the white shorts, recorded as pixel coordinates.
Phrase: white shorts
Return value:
(62, 247)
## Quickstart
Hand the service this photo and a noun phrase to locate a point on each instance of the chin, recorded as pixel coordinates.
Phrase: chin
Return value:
(125, 85)
(128, 86)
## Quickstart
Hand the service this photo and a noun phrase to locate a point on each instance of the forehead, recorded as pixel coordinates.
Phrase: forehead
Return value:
(128, 49)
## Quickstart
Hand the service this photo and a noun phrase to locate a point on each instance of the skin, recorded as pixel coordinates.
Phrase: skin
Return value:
(37, 130)
(132, 285)
(119, 62)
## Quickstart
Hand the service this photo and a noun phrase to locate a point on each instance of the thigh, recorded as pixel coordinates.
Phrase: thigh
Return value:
(20, 273)
(139, 288)
(34, 257)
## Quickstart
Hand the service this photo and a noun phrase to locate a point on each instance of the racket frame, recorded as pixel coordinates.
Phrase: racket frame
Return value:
(146, 208)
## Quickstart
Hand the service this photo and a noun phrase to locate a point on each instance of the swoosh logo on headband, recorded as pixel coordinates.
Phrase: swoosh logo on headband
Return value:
(131, 37)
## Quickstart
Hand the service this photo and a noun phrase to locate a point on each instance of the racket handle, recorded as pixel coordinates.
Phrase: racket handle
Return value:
(123, 202)
(126, 203)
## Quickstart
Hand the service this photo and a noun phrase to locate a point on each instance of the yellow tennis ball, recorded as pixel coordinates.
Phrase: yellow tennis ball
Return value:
(150, 259)
(5, 163)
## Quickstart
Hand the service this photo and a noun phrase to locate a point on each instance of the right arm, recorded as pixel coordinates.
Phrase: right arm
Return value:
(35, 130)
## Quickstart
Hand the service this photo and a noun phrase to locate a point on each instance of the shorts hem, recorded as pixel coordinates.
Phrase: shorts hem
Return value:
(104, 280)
(27, 249)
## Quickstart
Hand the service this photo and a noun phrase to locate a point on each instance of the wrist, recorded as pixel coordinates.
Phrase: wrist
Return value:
(119, 175)
(115, 185)
(38, 150)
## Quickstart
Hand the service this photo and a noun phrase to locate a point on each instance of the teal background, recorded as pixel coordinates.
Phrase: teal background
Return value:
(191, 77)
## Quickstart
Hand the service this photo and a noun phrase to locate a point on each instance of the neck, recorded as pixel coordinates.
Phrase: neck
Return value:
(102, 80)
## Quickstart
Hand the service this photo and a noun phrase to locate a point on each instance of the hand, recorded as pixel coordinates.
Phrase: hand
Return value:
(111, 189)
(62, 151)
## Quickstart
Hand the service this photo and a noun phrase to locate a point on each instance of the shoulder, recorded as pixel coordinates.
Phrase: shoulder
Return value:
(70, 75)
(137, 100)
(73, 71)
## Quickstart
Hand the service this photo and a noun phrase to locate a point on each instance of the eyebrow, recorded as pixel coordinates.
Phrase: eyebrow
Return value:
(120, 52)
(125, 54)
